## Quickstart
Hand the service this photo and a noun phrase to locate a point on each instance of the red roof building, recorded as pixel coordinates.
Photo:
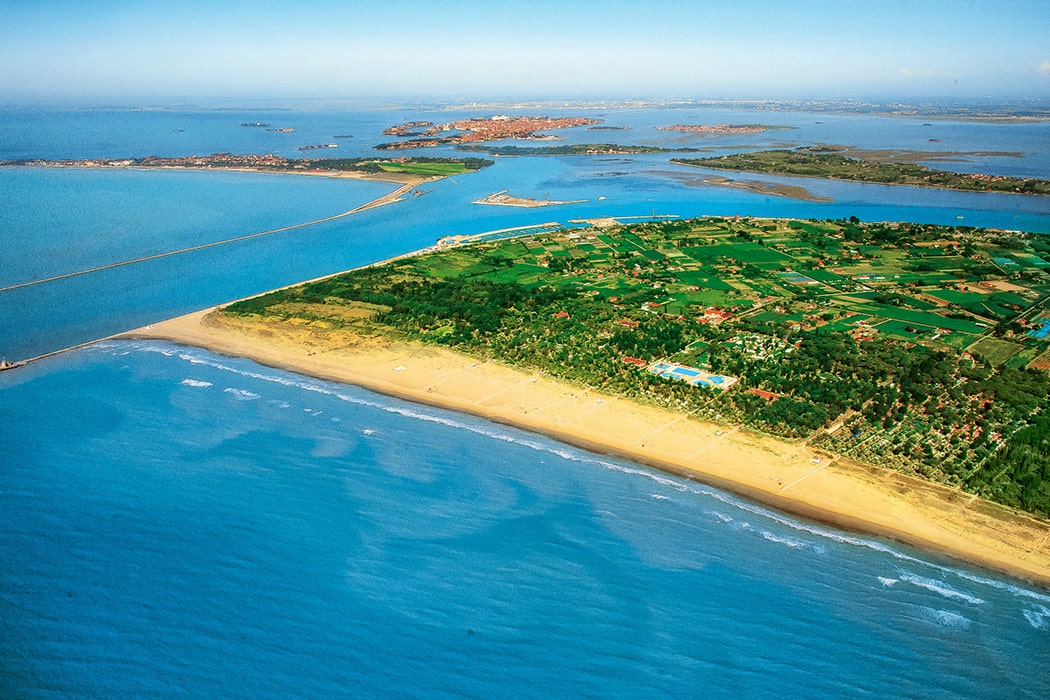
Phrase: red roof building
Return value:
(767, 395)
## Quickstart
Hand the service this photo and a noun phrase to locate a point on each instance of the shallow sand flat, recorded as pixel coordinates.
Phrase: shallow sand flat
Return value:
(857, 497)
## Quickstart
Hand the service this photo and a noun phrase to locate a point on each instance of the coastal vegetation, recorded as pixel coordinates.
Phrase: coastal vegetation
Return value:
(916, 347)
(420, 167)
(832, 164)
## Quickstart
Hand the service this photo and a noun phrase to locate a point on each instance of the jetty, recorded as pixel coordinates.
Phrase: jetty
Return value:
(395, 196)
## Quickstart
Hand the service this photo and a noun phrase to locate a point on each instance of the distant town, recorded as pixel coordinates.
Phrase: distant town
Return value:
(495, 128)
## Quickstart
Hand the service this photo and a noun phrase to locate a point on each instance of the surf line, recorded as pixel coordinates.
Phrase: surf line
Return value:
(395, 196)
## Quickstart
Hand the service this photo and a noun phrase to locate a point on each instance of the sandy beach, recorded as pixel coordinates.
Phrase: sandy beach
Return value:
(824, 487)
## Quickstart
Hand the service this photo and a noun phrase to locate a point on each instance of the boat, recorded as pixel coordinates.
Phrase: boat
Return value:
(4, 364)
(420, 193)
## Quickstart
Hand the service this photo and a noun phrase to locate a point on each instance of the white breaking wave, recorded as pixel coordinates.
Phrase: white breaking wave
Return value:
(789, 541)
(939, 587)
(887, 581)
(195, 382)
(947, 618)
(241, 394)
(1039, 619)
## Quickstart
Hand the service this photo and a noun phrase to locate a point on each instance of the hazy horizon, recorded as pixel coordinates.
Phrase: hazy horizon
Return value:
(106, 50)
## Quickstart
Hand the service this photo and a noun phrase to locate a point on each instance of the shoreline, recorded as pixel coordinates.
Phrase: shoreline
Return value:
(788, 476)
(395, 178)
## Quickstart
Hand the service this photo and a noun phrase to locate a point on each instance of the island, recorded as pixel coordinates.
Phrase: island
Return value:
(720, 129)
(772, 189)
(833, 165)
(387, 169)
(505, 200)
(576, 149)
(477, 129)
(889, 378)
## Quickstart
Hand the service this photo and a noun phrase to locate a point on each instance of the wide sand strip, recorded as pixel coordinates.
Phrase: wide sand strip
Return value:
(788, 476)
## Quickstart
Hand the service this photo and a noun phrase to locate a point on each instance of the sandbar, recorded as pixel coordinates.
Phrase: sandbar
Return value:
(773, 189)
(788, 476)
(502, 199)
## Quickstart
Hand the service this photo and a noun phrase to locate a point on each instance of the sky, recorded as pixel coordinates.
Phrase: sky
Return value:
(531, 49)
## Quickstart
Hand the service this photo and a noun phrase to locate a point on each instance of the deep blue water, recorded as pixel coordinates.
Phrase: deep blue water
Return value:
(172, 522)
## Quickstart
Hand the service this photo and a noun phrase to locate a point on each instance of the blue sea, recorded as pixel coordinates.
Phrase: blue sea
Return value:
(173, 522)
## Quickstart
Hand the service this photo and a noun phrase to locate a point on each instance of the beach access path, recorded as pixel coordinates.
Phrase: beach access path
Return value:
(788, 476)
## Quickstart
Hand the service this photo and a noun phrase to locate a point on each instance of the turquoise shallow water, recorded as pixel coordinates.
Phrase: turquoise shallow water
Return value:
(173, 522)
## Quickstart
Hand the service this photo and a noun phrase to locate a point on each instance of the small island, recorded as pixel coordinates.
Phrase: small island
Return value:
(577, 149)
(478, 129)
(506, 200)
(720, 129)
(833, 165)
(772, 189)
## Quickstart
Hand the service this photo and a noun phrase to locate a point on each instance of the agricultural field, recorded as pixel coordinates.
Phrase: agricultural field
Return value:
(427, 168)
(902, 344)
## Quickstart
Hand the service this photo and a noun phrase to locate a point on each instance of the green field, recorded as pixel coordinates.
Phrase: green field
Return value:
(424, 169)
(925, 319)
(995, 351)
(955, 297)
